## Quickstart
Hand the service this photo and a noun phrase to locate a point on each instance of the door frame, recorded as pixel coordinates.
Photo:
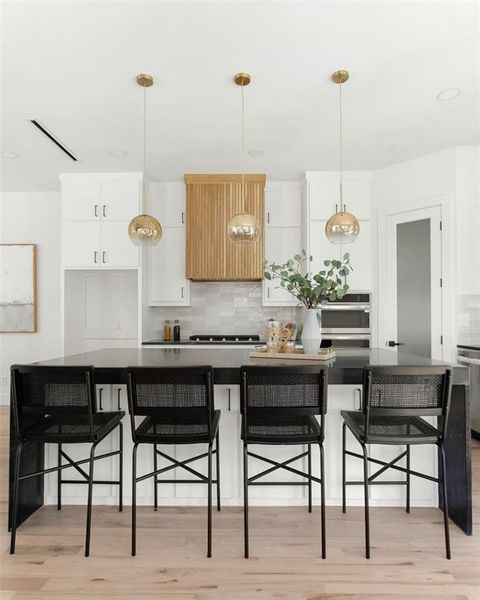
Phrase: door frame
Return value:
(380, 299)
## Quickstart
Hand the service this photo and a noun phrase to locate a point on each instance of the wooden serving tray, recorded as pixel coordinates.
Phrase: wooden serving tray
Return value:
(293, 355)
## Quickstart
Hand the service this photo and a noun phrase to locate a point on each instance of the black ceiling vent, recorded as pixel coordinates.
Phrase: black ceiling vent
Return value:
(54, 140)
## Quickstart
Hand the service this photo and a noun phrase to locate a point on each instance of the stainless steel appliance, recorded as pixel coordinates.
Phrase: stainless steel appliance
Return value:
(346, 322)
(470, 357)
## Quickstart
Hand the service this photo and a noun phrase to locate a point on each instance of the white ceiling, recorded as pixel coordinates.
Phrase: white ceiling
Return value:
(72, 66)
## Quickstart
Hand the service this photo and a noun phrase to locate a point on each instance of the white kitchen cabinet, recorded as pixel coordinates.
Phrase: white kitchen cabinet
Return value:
(81, 200)
(80, 244)
(283, 204)
(281, 244)
(96, 210)
(87, 244)
(324, 198)
(97, 200)
(167, 203)
(167, 283)
(360, 278)
(116, 248)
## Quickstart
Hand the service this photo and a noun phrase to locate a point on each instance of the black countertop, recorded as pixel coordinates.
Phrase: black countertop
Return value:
(346, 368)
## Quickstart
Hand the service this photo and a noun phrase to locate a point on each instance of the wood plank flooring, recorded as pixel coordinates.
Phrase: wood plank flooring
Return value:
(407, 564)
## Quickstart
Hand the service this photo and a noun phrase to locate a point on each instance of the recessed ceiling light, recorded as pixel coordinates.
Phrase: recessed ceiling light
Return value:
(449, 94)
(256, 152)
(9, 155)
(118, 153)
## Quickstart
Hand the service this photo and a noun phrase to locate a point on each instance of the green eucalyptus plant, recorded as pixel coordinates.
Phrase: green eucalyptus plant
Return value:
(311, 289)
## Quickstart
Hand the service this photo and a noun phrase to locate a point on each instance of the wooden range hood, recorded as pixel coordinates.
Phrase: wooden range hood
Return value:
(212, 200)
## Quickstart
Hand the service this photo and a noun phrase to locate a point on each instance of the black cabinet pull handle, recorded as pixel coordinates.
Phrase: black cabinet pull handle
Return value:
(96, 210)
(229, 400)
(104, 210)
(103, 257)
(95, 257)
(183, 218)
(392, 344)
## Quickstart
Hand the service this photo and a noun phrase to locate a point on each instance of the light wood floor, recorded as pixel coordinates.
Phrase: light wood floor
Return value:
(408, 554)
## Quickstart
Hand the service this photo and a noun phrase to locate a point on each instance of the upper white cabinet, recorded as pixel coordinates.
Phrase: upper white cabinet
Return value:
(167, 203)
(324, 196)
(321, 200)
(283, 204)
(283, 235)
(96, 210)
(168, 285)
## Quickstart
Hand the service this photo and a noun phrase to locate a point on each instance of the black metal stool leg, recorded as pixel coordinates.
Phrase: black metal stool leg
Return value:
(217, 447)
(209, 514)
(245, 499)
(309, 462)
(445, 503)
(16, 475)
(89, 500)
(155, 487)
(120, 468)
(134, 499)
(322, 491)
(407, 466)
(59, 478)
(344, 468)
(367, 512)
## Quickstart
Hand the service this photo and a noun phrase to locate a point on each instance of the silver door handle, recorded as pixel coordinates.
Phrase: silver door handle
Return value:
(104, 210)
(104, 254)
(96, 210)
(470, 361)
(95, 254)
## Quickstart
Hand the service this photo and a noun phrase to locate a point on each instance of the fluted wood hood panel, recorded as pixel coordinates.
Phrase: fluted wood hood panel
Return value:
(212, 200)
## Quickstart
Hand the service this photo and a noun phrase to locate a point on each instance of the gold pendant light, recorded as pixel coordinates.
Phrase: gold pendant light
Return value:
(243, 229)
(342, 227)
(144, 230)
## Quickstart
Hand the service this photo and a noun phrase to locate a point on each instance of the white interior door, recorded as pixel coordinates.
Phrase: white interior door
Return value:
(414, 281)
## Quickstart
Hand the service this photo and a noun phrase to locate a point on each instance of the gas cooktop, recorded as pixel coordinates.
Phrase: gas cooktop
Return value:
(224, 339)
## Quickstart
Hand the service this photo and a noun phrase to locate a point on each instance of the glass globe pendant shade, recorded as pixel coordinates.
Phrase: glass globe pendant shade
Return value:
(342, 228)
(243, 229)
(144, 230)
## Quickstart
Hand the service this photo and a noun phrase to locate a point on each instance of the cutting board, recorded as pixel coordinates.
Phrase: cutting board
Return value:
(321, 356)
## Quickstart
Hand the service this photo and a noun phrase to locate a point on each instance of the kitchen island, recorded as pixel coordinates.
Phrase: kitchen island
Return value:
(344, 376)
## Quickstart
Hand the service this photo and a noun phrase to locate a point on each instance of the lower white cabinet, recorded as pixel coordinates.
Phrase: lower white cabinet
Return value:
(281, 244)
(360, 278)
(167, 284)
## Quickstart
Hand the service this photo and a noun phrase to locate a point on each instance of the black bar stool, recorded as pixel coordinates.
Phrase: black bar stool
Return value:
(394, 401)
(178, 405)
(279, 407)
(57, 405)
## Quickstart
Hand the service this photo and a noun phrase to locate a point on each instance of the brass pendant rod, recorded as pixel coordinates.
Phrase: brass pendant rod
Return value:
(341, 147)
(242, 162)
(144, 158)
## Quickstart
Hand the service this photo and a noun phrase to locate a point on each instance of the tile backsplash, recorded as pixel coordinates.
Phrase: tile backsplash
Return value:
(222, 308)
(468, 318)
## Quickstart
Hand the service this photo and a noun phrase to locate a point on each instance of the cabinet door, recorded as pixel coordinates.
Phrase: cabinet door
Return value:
(324, 198)
(282, 207)
(281, 243)
(81, 200)
(167, 283)
(117, 249)
(321, 249)
(120, 200)
(167, 204)
(80, 244)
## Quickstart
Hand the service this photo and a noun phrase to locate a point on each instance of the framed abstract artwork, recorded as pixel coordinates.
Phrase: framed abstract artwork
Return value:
(18, 288)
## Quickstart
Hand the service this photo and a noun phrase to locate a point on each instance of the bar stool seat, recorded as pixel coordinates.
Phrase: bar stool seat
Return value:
(286, 430)
(54, 429)
(391, 430)
(157, 430)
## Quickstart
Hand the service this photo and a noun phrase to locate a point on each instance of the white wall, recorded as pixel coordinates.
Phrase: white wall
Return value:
(451, 176)
(33, 217)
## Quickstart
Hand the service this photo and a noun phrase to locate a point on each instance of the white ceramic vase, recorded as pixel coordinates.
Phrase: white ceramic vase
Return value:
(312, 332)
